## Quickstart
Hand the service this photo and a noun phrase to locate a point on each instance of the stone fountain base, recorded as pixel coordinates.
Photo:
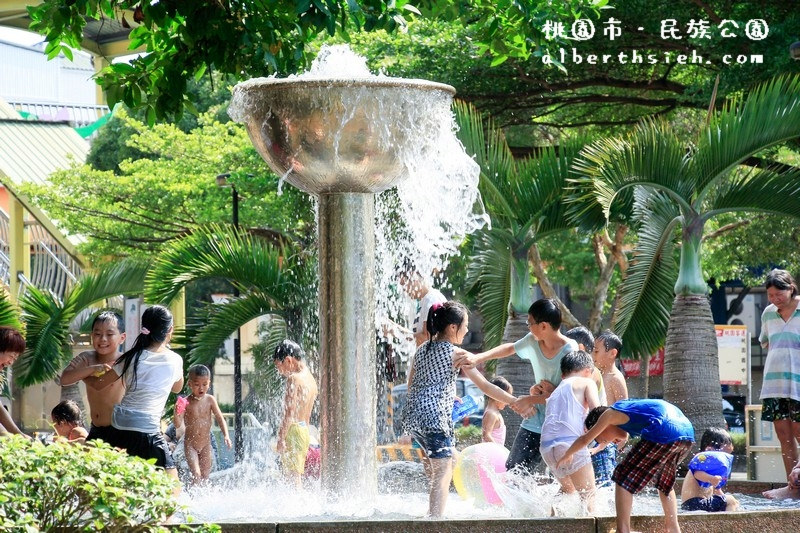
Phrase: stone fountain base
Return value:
(780, 521)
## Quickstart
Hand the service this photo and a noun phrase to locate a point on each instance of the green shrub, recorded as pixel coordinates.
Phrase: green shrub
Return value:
(467, 436)
(93, 487)
(739, 443)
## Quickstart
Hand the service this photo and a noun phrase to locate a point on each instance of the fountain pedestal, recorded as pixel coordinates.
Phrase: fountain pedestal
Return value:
(347, 341)
(344, 141)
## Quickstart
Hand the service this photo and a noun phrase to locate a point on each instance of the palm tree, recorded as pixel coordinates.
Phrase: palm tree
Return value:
(274, 277)
(526, 202)
(48, 320)
(677, 189)
(9, 316)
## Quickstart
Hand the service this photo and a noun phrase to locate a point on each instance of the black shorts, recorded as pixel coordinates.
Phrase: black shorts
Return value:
(774, 409)
(525, 451)
(714, 504)
(103, 433)
(144, 445)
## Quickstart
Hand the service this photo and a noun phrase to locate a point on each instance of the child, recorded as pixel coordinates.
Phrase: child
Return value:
(493, 425)
(68, 422)
(709, 470)
(197, 413)
(543, 347)
(12, 344)
(607, 347)
(150, 371)
(666, 438)
(563, 423)
(301, 392)
(429, 404)
(103, 389)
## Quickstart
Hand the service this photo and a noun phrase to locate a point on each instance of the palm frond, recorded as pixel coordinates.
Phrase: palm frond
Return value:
(120, 277)
(48, 347)
(217, 251)
(9, 312)
(768, 115)
(759, 189)
(646, 294)
(540, 186)
(651, 155)
(490, 273)
(487, 144)
(224, 319)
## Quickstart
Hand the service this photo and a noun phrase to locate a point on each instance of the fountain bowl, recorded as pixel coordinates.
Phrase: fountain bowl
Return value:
(336, 135)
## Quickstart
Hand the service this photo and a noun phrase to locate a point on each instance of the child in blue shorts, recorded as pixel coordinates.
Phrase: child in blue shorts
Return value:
(429, 404)
(709, 471)
(666, 436)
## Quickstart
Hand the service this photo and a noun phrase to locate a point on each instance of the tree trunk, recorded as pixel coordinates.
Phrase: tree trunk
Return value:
(606, 265)
(517, 371)
(691, 363)
(567, 318)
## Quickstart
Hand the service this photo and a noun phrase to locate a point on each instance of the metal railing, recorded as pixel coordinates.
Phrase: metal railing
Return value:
(51, 268)
(75, 114)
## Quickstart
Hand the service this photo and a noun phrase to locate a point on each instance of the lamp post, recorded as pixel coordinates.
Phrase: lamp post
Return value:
(238, 437)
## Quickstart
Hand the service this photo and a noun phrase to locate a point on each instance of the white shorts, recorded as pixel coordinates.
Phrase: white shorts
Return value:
(552, 454)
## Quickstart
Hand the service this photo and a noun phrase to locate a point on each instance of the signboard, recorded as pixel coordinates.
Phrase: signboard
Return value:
(633, 367)
(133, 320)
(732, 344)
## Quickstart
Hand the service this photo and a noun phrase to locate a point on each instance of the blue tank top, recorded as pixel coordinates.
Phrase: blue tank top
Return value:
(655, 420)
(714, 463)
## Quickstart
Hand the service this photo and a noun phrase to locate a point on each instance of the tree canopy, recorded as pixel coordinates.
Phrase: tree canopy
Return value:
(524, 93)
(153, 201)
(248, 38)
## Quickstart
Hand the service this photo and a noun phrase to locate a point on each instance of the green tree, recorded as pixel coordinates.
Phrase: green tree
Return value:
(248, 38)
(273, 277)
(526, 201)
(534, 102)
(210, 97)
(676, 192)
(156, 200)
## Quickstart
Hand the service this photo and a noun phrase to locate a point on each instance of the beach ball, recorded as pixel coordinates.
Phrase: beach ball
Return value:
(477, 468)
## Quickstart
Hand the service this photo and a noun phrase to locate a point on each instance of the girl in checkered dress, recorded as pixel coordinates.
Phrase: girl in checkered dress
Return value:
(429, 405)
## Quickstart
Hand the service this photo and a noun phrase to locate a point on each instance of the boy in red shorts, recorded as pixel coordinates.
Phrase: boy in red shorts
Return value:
(666, 438)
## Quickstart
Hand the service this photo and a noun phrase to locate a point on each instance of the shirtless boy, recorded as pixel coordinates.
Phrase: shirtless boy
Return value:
(606, 350)
(301, 392)
(197, 419)
(103, 389)
(607, 347)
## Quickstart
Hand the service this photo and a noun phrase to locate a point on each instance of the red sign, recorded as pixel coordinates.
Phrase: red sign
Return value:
(633, 367)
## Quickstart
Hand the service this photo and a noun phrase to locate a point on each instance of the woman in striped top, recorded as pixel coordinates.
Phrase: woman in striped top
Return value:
(780, 391)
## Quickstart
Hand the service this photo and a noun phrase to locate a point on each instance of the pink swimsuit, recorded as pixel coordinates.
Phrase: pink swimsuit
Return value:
(499, 433)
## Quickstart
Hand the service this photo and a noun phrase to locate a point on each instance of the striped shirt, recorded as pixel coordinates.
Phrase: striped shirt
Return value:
(782, 367)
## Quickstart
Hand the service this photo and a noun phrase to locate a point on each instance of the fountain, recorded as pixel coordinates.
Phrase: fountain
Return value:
(344, 140)
(344, 136)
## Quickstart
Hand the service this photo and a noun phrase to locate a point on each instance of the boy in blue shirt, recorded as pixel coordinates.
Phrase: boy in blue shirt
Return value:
(666, 438)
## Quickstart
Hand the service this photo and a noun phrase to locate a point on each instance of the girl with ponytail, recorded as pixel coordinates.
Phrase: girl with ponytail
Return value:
(429, 404)
(150, 372)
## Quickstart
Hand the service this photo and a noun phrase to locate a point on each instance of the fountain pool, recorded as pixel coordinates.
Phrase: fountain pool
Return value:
(344, 135)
